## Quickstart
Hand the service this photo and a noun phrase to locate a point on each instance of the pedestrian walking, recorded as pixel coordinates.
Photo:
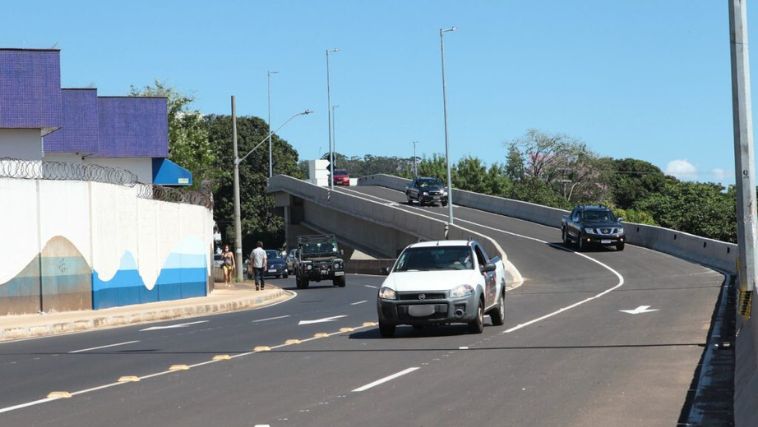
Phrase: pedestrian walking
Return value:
(228, 259)
(259, 261)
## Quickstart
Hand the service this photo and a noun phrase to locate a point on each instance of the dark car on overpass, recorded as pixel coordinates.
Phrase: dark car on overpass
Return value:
(592, 225)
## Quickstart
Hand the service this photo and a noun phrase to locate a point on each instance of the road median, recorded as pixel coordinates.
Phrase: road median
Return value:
(221, 300)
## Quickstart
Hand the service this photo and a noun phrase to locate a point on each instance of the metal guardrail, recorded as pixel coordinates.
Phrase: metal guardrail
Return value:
(90, 172)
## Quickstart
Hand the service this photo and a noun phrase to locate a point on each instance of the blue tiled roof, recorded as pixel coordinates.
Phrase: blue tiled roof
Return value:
(132, 127)
(79, 133)
(30, 89)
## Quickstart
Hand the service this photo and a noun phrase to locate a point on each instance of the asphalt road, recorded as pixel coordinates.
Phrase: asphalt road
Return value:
(566, 356)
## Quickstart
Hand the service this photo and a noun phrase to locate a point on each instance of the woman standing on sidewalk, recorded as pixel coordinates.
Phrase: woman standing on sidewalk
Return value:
(228, 258)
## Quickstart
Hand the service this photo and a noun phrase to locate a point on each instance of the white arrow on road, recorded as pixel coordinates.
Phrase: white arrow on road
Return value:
(325, 319)
(640, 309)
(178, 325)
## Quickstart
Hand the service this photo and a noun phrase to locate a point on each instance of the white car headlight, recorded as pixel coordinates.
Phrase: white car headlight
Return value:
(589, 230)
(462, 291)
(387, 293)
(620, 230)
(425, 193)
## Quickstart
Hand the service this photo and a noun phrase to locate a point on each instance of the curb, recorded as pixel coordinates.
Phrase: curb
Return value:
(112, 321)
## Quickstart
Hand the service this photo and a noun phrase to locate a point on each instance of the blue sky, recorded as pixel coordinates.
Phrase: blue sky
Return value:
(648, 79)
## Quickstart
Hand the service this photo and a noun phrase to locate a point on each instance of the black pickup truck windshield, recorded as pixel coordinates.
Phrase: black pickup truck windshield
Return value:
(429, 182)
(436, 258)
(321, 248)
(598, 216)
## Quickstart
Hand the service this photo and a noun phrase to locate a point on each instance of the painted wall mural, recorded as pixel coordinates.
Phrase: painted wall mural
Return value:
(77, 245)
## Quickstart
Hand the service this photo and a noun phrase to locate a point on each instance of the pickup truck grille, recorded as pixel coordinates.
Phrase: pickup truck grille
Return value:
(417, 296)
(607, 230)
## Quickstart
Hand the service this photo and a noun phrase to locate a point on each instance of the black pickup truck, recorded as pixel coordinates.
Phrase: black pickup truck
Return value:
(589, 225)
(319, 258)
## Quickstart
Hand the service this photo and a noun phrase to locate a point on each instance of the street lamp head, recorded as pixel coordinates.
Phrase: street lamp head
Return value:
(273, 72)
(447, 30)
(336, 49)
(306, 112)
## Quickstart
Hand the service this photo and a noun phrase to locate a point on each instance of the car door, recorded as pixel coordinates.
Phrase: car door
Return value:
(490, 279)
(414, 189)
(574, 224)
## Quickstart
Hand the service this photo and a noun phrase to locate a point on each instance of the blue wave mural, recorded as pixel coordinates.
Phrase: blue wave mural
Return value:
(182, 276)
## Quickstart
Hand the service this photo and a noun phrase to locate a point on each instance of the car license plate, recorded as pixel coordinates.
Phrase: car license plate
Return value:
(272, 270)
(421, 310)
(339, 273)
(606, 242)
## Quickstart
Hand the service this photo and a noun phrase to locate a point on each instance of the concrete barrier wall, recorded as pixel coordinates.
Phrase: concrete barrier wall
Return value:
(72, 245)
(368, 266)
(712, 253)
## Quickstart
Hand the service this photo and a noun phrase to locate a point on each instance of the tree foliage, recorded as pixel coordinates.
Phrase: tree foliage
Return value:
(189, 145)
(255, 204)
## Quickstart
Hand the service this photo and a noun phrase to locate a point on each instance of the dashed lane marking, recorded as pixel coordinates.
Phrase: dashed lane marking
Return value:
(358, 302)
(385, 379)
(271, 318)
(220, 357)
(103, 346)
(371, 286)
(173, 368)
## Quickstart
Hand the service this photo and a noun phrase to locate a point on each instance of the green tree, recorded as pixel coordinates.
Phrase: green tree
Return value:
(514, 166)
(634, 180)
(496, 181)
(471, 175)
(704, 209)
(189, 145)
(256, 205)
(435, 167)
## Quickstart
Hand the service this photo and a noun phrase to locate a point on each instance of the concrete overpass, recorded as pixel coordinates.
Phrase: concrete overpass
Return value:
(685, 278)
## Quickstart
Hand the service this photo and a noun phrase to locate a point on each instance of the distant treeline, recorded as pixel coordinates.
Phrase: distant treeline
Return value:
(559, 171)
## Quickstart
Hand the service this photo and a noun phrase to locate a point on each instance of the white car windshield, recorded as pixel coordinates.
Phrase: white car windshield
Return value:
(436, 258)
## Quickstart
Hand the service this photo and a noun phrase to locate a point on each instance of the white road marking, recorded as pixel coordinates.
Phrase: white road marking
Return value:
(358, 302)
(371, 286)
(24, 405)
(640, 309)
(325, 319)
(103, 346)
(385, 379)
(271, 318)
(561, 310)
(178, 325)
(153, 375)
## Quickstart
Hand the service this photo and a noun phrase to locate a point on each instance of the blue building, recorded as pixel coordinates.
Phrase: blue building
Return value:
(40, 121)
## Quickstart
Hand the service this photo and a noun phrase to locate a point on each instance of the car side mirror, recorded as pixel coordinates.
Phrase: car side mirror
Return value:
(621, 219)
(385, 271)
(489, 267)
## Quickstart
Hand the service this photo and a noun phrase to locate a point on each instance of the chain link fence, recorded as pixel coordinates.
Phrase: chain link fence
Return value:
(65, 171)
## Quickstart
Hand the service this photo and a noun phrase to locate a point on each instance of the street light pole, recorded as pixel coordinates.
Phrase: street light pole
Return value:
(334, 135)
(237, 215)
(415, 166)
(270, 156)
(743, 152)
(444, 108)
(237, 161)
(329, 111)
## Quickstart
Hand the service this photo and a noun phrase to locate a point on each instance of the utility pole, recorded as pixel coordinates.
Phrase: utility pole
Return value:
(415, 168)
(329, 111)
(743, 150)
(444, 108)
(237, 212)
(334, 135)
(270, 156)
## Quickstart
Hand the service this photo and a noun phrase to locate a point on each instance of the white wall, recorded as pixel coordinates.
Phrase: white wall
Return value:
(23, 144)
(140, 166)
(103, 221)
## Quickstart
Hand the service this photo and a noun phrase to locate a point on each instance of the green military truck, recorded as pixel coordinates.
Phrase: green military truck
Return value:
(319, 258)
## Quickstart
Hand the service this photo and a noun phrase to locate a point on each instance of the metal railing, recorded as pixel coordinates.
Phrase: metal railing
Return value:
(90, 172)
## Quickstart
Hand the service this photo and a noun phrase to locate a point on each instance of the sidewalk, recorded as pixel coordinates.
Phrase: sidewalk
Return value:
(221, 300)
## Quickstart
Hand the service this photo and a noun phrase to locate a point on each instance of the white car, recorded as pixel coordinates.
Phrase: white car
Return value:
(442, 282)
